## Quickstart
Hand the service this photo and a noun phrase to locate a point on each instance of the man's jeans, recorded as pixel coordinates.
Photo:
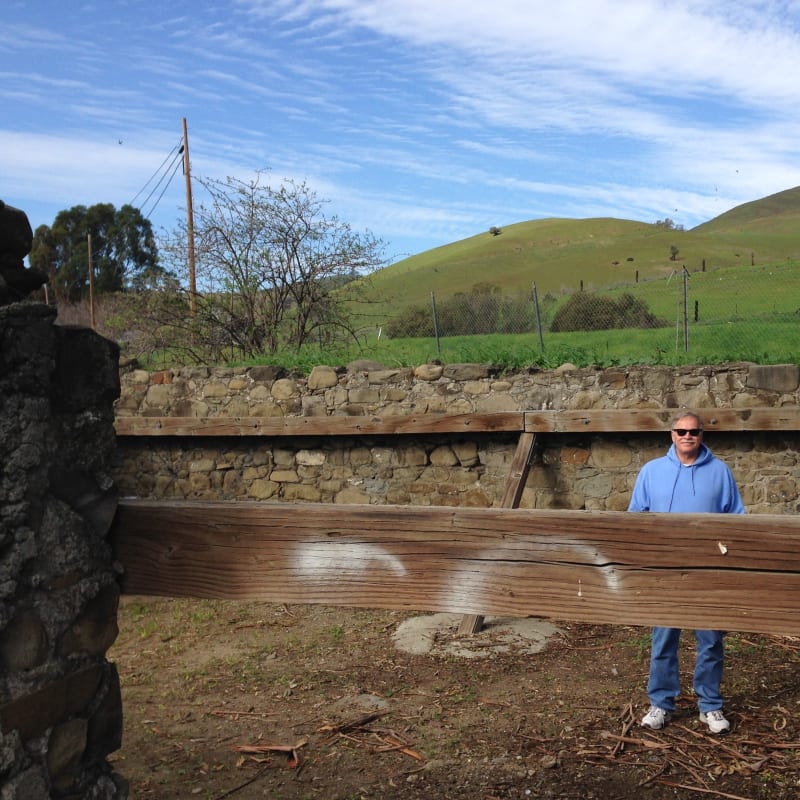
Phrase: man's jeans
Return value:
(664, 684)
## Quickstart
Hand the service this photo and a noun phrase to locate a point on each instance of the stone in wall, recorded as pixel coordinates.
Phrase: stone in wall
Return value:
(780, 378)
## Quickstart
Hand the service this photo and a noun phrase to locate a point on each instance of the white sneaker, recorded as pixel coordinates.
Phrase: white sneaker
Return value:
(715, 720)
(656, 718)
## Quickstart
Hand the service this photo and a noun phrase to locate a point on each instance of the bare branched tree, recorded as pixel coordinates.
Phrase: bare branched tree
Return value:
(269, 263)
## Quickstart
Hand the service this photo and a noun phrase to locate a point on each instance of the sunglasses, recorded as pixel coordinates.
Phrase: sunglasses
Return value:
(690, 431)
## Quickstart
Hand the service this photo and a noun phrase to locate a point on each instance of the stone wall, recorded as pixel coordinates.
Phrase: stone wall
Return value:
(589, 471)
(60, 706)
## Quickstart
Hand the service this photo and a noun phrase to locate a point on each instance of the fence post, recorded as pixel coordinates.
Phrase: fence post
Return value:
(685, 311)
(435, 323)
(538, 317)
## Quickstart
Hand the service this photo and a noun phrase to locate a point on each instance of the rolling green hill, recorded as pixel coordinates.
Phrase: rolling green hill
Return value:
(563, 255)
(778, 212)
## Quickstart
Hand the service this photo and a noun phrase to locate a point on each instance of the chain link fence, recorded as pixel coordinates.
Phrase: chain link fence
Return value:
(736, 313)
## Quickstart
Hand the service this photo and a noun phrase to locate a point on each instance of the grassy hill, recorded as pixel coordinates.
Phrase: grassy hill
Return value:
(777, 212)
(562, 255)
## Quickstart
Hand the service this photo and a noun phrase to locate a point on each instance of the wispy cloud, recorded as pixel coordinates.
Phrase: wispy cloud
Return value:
(422, 121)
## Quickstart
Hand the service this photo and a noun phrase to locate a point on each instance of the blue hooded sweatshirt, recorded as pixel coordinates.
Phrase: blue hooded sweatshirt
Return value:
(706, 486)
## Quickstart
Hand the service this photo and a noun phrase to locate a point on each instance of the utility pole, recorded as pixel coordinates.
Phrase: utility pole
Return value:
(91, 280)
(189, 219)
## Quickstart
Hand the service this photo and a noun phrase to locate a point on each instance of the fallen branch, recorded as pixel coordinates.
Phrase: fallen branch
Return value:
(354, 724)
(632, 740)
(702, 790)
(484, 701)
(654, 775)
(716, 742)
(626, 726)
(776, 642)
(292, 751)
(394, 744)
(241, 785)
(773, 745)
(235, 714)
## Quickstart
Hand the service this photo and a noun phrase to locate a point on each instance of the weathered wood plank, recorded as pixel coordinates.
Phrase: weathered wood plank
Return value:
(518, 473)
(320, 426)
(605, 567)
(515, 485)
(565, 421)
(644, 420)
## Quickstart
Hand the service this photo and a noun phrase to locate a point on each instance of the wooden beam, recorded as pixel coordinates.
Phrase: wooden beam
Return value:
(564, 421)
(515, 485)
(727, 572)
(320, 426)
(632, 420)
(518, 473)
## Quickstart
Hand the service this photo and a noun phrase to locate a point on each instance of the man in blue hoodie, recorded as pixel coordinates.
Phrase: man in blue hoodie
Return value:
(688, 480)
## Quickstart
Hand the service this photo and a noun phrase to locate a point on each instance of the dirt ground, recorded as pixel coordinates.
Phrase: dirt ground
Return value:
(257, 700)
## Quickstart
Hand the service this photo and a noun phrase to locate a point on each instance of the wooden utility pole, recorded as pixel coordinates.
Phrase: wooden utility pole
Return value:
(91, 280)
(189, 219)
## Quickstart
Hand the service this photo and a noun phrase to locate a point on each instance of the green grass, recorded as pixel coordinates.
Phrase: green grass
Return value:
(776, 343)
(725, 294)
(742, 301)
(336, 633)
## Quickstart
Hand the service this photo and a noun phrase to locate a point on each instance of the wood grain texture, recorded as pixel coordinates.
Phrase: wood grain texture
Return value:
(645, 420)
(565, 421)
(320, 426)
(726, 572)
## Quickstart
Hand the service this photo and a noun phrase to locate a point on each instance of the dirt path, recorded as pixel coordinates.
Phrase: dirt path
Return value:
(256, 700)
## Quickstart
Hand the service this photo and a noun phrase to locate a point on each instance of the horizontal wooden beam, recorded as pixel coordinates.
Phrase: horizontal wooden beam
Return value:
(564, 421)
(320, 426)
(727, 572)
(645, 420)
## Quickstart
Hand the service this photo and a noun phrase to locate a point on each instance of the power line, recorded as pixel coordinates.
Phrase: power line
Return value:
(178, 163)
(177, 160)
(179, 148)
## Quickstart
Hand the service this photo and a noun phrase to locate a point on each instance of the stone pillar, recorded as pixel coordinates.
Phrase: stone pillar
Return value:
(60, 702)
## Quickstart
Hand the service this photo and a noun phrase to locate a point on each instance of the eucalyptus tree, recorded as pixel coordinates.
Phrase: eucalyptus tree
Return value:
(124, 253)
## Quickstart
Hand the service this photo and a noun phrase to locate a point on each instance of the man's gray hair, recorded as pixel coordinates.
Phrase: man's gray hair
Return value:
(686, 413)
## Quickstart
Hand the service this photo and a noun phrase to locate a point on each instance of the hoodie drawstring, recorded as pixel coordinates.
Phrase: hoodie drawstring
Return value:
(690, 467)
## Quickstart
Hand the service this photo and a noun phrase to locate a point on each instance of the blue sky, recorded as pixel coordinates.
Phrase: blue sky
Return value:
(422, 121)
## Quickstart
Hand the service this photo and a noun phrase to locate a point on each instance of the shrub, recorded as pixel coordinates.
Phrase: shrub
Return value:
(481, 311)
(410, 323)
(587, 312)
